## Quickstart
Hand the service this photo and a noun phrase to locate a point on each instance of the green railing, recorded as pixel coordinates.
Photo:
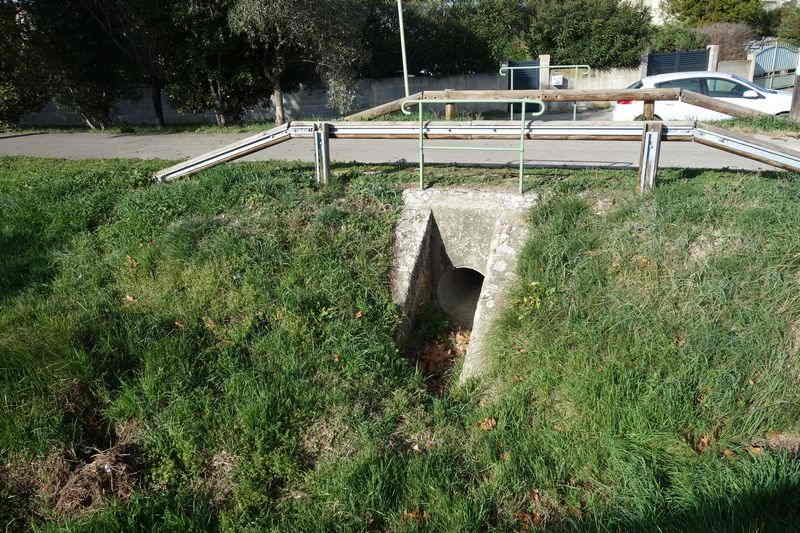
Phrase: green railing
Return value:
(521, 150)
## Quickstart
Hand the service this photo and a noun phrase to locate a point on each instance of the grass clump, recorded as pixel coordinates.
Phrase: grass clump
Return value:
(782, 125)
(217, 354)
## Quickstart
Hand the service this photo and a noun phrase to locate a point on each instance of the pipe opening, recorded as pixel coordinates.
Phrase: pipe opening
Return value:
(458, 292)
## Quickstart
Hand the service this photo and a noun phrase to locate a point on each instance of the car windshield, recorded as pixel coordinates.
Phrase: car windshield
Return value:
(750, 85)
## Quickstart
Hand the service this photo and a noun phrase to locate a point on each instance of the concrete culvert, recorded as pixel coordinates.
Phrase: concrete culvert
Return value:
(458, 293)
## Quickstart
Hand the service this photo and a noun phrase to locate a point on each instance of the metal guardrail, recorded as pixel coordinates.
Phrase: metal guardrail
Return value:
(521, 150)
(742, 145)
(576, 68)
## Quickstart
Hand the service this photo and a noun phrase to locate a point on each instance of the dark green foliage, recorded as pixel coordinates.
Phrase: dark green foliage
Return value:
(89, 73)
(600, 33)
(677, 37)
(211, 68)
(789, 28)
(708, 11)
(24, 84)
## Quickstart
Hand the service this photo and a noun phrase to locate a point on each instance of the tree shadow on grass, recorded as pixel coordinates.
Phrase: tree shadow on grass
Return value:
(774, 509)
(675, 175)
(25, 261)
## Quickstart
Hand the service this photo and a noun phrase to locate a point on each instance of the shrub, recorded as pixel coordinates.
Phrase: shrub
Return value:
(789, 28)
(676, 37)
(709, 11)
(601, 33)
(23, 81)
(731, 38)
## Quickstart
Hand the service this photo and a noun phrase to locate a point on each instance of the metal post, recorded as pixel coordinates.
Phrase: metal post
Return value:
(774, 61)
(512, 88)
(650, 155)
(322, 153)
(421, 148)
(403, 44)
(575, 104)
(521, 146)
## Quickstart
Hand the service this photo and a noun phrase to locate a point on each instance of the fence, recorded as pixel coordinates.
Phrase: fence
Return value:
(677, 62)
(774, 65)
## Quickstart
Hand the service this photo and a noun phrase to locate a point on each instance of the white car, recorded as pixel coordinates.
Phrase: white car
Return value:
(726, 87)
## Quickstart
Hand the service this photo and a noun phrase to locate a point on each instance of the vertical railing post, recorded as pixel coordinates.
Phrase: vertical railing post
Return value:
(521, 146)
(650, 155)
(421, 147)
(322, 153)
(512, 88)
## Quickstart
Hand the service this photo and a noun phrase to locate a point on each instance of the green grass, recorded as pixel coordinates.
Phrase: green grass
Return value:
(241, 323)
(776, 125)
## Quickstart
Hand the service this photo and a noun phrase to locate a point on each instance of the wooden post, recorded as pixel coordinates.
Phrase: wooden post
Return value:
(649, 110)
(650, 155)
(322, 152)
(449, 109)
(544, 72)
(713, 57)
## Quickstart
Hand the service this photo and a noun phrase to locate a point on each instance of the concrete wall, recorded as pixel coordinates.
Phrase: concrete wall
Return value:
(312, 103)
(739, 67)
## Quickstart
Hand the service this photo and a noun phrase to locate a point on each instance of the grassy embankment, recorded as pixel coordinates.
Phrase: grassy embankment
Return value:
(217, 354)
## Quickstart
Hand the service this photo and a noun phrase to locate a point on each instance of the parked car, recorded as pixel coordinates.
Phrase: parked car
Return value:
(726, 87)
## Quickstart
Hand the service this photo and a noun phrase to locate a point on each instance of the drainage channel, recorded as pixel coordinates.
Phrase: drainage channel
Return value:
(455, 253)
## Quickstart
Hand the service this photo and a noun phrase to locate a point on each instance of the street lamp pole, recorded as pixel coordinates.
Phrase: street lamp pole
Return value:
(403, 44)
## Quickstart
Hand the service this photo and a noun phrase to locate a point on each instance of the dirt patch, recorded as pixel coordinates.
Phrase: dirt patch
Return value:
(329, 437)
(789, 442)
(709, 244)
(219, 482)
(438, 357)
(794, 338)
(108, 474)
(63, 484)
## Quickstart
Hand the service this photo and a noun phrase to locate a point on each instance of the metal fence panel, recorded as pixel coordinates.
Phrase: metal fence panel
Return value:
(677, 62)
(523, 79)
(775, 65)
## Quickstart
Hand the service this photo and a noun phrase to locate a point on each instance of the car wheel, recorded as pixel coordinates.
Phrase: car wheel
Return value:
(784, 114)
(641, 117)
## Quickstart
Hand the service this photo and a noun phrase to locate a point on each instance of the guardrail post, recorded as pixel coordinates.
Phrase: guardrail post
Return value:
(650, 155)
(322, 152)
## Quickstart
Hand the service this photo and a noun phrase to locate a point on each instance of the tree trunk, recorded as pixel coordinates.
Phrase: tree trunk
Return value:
(280, 112)
(158, 107)
(221, 119)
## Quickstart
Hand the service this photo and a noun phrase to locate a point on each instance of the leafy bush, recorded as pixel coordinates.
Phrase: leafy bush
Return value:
(601, 33)
(789, 28)
(731, 38)
(676, 37)
(23, 83)
(709, 11)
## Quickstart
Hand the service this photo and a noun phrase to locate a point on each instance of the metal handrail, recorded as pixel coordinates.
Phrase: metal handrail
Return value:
(576, 68)
(420, 104)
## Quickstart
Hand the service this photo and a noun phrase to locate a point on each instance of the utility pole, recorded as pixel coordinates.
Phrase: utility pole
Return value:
(403, 44)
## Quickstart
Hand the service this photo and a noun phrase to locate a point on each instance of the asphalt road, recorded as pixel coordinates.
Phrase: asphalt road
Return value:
(619, 154)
